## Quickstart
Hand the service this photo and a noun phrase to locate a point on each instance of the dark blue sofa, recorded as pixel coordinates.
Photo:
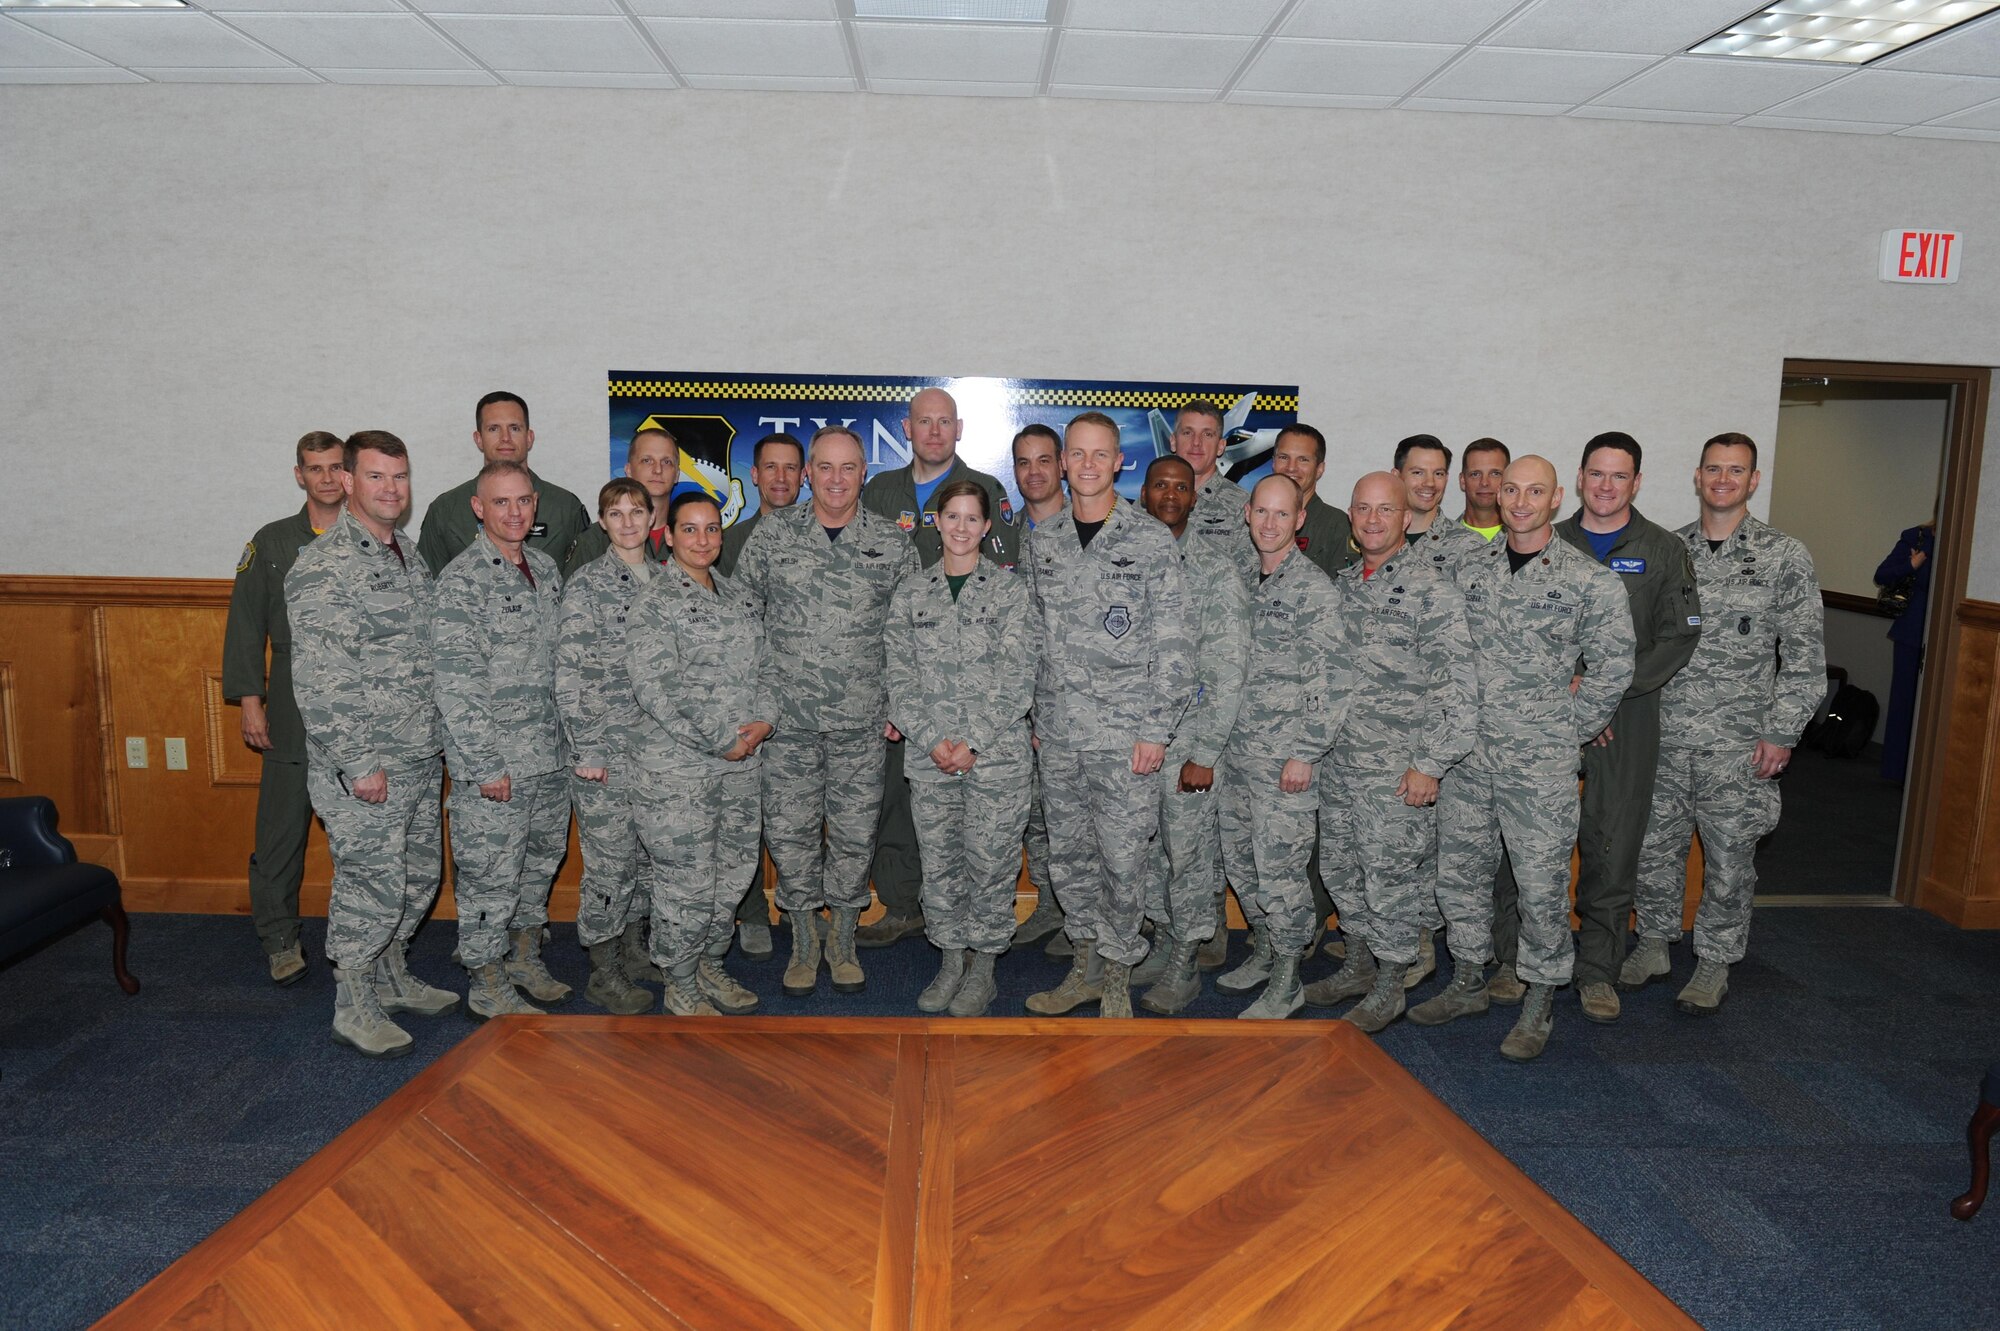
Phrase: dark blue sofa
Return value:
(43, 890)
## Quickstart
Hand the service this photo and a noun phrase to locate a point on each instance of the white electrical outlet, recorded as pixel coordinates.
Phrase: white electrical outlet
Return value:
(177, 755)
(135, 751)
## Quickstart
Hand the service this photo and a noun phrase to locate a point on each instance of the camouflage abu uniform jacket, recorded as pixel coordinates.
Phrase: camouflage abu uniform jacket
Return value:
(1117, 651)
(1759, 671)
(1562, 615)
(496, 664)
(698, 667)
(1297, 695)
(1219, 626)
(1416, 682)
(824, 605)
(1447, 543)
(362, 659)
(961, 670)
(600, 713)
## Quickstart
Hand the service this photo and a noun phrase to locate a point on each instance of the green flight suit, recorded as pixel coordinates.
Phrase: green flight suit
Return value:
(449, 524)
(284, 814)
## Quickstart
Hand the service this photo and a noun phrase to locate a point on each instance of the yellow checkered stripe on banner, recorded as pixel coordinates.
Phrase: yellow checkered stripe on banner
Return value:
(900, 393)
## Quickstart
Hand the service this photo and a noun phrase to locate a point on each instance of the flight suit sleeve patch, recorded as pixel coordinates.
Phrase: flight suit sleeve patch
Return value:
(249, 553)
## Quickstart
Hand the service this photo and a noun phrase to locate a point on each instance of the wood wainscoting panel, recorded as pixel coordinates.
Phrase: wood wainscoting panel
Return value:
(1961, 879)
(53, 718)
(231, 762)
(10, 707)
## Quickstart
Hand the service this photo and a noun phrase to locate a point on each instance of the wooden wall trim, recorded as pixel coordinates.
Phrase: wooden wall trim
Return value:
(22, 589)
(1979, 614)
(1848, 601)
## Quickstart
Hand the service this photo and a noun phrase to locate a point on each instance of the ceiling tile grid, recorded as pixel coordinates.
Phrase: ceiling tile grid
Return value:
(1587, 59)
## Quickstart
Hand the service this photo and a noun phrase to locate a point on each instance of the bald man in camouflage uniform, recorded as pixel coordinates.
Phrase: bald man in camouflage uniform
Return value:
(1415, 709)
(1115, 678)
(496, 630)
(1183, 902)
(1729, 722)
(822, 574)
(359, 601)
(1295, 697)
(1553, 633)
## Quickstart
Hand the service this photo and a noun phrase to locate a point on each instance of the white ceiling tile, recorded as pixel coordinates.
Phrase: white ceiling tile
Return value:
(1148, 59)
(1397, 20)
(819, 9)
(1640, 113)
(1240, 16)
(542, 78)
(1116, 94)
(1252, 98)
(1468, 105)
(535, 7)
(1947, 132)
(947, 88)
(1740, 87)
(354, 41)
(150, 37)
(1364, 69)
(1883, 95)
(285, 74)
(1972, 49)
(304, 6)
(1828, 126)
(573, 45)
(21, 47)
(81, 74)
(1979, 117)
(1656, 27)
(937, 51)
(760, 83)
(753, 48)
(1494, 75)
(466, 78)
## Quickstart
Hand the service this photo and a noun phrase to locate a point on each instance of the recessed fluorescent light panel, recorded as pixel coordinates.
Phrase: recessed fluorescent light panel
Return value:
(1841, 32)
(964, 11)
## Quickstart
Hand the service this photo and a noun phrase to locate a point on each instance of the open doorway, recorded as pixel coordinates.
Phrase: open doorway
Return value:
(1873, 468)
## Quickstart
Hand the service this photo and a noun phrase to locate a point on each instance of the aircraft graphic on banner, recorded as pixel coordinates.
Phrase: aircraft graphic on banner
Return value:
(1243, 450)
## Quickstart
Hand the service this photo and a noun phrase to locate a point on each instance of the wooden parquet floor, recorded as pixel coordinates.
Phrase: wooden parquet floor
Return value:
(716, 1175)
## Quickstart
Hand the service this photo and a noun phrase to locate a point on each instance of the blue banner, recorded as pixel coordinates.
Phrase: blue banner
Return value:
(718, 419)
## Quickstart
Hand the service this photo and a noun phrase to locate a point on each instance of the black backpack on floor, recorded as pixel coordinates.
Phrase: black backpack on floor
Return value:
(1850, 722)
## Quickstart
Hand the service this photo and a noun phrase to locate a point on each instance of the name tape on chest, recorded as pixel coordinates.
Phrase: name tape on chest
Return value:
(1623, 565)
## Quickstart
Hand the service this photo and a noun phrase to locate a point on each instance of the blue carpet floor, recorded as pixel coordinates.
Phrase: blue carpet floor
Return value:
(1783, 1165)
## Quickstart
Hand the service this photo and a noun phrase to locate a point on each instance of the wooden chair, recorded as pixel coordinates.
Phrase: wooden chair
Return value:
(43, 890)
(1979, 1137)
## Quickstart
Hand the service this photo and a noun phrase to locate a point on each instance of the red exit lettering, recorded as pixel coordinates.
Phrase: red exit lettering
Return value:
(1925, 254)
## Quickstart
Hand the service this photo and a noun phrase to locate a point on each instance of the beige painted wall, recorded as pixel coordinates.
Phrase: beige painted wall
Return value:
(197, 274)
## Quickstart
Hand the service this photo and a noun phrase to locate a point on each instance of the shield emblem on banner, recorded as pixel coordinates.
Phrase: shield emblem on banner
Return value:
(705, 443)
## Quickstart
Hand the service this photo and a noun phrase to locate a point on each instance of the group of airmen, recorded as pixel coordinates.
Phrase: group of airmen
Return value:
(1379, 715)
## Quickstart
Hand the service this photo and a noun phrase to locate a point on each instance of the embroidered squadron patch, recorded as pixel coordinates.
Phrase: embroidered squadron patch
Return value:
(249, 553)
(907, 520)
(1301, 539)
(1118, 621)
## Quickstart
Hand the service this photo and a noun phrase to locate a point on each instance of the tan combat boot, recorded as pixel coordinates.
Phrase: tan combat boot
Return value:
(526, 971)
(802, 972)
(358, 1019)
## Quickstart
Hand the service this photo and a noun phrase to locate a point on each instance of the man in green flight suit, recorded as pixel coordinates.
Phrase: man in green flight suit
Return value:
(271, 723)
(501, 434)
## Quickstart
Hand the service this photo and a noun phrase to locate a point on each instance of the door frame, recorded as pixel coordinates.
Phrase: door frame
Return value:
(1965, 436)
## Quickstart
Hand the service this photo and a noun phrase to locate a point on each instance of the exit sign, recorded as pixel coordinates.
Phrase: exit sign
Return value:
(1915, 255)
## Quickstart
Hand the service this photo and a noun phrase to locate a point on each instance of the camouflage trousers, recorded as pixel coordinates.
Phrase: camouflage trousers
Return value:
(614, 865)
(822, 796)
(1267, 837)
(386, 860)
(1375, 848)
(1532, 811)
(699, 830)
(504, 858)
(1182, 891)
(1715, 791)
(1102, 822)
(1035, 840)
(969, 832)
